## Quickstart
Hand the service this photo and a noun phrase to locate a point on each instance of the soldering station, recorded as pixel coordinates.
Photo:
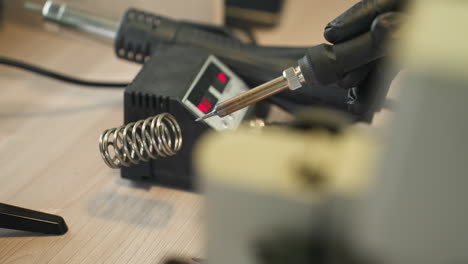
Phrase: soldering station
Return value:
(199, 77)
(203, 93)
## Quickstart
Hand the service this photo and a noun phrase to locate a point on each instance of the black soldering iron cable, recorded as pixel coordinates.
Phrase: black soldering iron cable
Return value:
(58, 76)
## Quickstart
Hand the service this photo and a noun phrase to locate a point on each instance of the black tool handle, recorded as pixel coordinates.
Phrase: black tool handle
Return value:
(18, 218)
(325, 64)
(141, 33)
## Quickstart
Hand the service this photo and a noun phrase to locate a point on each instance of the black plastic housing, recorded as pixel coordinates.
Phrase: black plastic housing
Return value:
(160, 87)
(258, 13)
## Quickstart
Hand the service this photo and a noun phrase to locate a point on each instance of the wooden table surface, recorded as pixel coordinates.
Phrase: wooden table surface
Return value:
(49, 158)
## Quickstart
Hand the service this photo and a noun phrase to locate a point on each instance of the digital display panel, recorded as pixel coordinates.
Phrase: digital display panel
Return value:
(201, 96)
(207, 102)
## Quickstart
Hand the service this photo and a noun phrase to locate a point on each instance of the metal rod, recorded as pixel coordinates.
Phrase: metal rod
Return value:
(69, 16)
(292, 78)
(33, 7)
(252, 96)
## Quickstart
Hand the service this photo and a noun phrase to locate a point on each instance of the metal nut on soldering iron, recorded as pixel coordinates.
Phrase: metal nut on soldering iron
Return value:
(292, 77)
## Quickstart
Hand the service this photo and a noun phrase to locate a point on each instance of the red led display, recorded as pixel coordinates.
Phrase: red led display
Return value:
(222, 77)
(205, 105)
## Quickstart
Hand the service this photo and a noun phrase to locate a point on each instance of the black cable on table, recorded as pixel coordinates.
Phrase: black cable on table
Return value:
(58, 76)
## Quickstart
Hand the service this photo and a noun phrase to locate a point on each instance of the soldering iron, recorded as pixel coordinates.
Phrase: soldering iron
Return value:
(138, 34)
(321, 65)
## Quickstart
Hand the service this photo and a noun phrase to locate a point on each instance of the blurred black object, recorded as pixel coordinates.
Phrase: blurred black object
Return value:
(184, 261)
(18, 218)
(368, 85)
(259, 13)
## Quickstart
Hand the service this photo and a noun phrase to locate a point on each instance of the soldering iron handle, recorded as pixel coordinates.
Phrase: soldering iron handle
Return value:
(141, 33)
(325, 64)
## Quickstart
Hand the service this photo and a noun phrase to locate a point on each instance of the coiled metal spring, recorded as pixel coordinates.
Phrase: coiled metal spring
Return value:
(156, 136)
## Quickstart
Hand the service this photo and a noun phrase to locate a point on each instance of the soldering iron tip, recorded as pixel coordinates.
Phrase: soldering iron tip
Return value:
(211, 114)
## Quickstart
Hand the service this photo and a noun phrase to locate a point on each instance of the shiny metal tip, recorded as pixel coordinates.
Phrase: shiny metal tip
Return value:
(33, 7)
(211, 114)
